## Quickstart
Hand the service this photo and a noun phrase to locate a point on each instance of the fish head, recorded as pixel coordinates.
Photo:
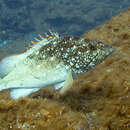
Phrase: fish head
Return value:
(89, 54)
(95, 52)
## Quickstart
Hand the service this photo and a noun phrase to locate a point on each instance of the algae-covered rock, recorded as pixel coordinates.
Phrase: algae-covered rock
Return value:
(98, 100)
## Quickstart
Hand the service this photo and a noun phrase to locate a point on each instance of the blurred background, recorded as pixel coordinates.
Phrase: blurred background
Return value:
(22, 20)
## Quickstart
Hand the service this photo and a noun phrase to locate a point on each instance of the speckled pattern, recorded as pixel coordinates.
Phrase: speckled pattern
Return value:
(77, 54)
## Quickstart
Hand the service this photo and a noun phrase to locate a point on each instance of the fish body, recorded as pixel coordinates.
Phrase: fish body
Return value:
(49, 62)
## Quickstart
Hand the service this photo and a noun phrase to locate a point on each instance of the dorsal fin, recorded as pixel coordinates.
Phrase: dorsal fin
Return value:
(45, 36)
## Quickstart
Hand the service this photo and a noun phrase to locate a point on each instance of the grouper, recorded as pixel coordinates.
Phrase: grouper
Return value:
(51, 60)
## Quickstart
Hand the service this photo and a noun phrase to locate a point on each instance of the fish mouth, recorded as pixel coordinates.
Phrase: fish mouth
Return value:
(107, 52)
(110, 50)
(109, 47)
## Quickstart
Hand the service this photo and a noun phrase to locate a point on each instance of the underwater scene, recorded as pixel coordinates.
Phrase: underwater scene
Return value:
(65, 65)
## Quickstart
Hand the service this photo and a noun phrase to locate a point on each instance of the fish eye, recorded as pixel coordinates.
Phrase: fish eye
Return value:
(92, 47)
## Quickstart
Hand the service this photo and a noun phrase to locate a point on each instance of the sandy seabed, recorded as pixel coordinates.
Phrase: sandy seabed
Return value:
(98, 100)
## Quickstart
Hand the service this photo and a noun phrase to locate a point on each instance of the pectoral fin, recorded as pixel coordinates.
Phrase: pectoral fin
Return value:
(67, 84)
(59, 85)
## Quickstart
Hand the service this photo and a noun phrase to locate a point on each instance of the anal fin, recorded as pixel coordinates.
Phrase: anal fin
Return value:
(16, 93)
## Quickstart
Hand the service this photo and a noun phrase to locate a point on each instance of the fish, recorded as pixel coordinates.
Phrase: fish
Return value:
(52, 59)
